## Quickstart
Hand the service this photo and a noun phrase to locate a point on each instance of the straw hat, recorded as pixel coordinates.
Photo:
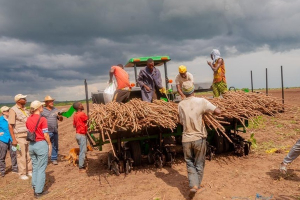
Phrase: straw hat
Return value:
(48, 98)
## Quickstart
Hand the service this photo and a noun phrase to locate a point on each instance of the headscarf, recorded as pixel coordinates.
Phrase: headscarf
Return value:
(215, 55)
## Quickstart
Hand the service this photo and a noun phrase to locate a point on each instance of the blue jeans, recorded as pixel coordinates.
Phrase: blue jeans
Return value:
(38, 152)
(194, 155)
(81, 140)
(54, 141)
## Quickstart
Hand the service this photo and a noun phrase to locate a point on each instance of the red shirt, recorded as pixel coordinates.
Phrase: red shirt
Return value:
(79, 122)
(121, 77)
(41, 128)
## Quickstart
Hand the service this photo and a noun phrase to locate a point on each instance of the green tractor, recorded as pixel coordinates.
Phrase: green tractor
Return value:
(156, 145)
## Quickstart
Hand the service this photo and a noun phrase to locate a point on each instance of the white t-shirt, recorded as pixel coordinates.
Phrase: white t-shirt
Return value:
(179, 80)
(190, 111)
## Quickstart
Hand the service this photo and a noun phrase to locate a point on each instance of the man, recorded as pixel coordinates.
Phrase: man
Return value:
(5, 143)
(52, 116)
(182, 77)
(150, 80)
(18, 115)
(219, 85)
(123, 90)
(292, 155)
(191, 110)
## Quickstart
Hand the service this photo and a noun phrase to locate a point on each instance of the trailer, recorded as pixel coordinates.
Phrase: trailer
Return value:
(158, 145)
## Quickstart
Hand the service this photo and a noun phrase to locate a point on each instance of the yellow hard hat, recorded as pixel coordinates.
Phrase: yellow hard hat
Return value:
(182, 69)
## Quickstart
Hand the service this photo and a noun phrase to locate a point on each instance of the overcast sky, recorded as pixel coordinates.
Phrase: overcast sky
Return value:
(49, 47)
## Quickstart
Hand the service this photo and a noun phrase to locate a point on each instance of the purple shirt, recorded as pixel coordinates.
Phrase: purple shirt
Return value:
(152, 80)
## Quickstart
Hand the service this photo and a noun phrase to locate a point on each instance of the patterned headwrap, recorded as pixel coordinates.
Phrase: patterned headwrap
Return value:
(215, 55)
(188, 87)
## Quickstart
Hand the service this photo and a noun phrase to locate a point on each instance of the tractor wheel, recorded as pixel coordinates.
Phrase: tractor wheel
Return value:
(136, 152)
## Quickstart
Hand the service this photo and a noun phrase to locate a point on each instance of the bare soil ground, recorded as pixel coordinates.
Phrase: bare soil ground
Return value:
(225, 177)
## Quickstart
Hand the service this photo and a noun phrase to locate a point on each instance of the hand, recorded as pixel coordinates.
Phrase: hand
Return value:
(1, 133)
(209, 63)
(147, 88)
(110, 81)
(14, 143)
(49, 150)
(163, 91)
(183, 96)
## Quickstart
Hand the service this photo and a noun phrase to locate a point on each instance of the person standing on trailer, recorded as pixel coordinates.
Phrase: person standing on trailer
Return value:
(183, 76)
(191, 110)
(219, 85)
(123, 90)
(150, 81)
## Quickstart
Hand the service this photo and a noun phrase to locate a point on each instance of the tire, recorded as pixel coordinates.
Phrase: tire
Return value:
(136, 152)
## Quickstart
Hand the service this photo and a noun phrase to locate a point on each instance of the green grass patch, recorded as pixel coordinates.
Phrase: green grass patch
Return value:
(257, 122)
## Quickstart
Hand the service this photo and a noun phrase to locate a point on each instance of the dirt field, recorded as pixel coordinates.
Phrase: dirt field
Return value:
(226, 177)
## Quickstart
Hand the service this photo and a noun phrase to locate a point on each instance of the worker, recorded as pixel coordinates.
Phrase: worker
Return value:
(219, 85)
(191, 110)
(183, 76)
(123, 90)
(150, 81)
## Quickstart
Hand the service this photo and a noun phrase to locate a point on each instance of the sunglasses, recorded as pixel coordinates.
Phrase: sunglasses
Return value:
(23, 99)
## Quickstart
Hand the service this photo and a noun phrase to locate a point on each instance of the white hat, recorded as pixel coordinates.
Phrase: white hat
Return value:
(4, 108)
(36, 104)
(19, 96)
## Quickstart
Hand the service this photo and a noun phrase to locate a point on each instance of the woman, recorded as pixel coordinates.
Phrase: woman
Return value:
(40, 149)
(5, 143)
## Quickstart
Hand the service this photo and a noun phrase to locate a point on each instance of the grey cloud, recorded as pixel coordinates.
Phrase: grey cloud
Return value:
(62, 41)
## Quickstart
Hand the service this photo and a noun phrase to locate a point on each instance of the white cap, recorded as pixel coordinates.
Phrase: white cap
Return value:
(4, 108)
(36, 104)
(19, 96)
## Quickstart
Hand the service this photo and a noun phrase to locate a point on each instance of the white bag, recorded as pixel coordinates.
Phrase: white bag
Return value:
(108, 93)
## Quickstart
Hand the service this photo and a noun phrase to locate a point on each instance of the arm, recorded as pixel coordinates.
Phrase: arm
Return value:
(180, 91)
(140, 81)
(47, 138)
(111, 73)
(217, 111)
(218, 65)
(11, 123)
(158, 80)
(11, 131)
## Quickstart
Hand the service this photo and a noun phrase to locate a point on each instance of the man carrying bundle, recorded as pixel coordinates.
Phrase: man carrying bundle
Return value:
(191, 110)
(219, 85)
(123, 90)
(150, 81)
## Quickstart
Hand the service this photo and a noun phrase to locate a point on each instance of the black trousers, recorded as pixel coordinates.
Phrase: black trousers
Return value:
(4, 147)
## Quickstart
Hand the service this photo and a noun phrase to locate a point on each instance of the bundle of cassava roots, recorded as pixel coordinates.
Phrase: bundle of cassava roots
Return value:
(137, 115)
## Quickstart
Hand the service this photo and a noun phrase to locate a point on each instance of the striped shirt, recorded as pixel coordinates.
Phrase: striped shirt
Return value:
(51, 116)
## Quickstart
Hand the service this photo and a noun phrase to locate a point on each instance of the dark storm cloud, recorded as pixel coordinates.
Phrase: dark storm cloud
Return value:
(62, 41)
